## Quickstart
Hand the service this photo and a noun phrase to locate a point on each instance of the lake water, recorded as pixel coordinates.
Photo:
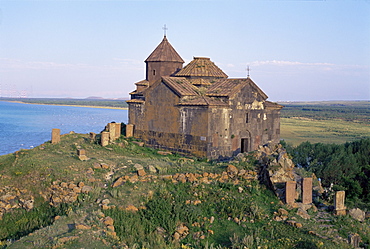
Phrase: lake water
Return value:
(24, 126)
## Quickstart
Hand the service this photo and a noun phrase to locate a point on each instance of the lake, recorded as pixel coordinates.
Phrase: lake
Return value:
(24, 126)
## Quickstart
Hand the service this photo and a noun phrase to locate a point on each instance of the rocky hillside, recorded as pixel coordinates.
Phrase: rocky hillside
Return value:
(125, 195)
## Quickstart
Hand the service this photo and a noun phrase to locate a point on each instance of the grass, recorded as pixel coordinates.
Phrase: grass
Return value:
(296, 131)
(243, 212)
(325, 122)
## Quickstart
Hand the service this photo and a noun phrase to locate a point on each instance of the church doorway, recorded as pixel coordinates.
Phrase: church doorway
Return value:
(245, 145)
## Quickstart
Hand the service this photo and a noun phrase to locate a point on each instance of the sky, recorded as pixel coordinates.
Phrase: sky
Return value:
(296, 50)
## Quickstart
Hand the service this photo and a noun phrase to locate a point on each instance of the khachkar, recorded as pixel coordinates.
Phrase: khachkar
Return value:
(111, 133)
(290, 192)
(339, 207)
(307, 190)
(55, 136)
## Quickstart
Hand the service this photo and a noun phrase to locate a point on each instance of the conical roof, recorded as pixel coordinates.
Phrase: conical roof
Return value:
(201, 67)
(164, 52)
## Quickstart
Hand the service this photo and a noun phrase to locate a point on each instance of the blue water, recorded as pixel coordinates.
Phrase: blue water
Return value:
(24, 126)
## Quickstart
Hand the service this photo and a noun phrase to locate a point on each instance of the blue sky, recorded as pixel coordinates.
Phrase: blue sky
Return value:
(297, 50)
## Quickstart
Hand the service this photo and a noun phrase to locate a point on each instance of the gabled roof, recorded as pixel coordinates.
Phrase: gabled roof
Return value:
(228, 87)
(142, 83)
(201, 66)
(272, 105)
(181, 86)
(164, 52)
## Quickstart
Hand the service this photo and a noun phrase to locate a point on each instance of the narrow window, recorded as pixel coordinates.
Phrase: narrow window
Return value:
(247, 117)
(153, 72)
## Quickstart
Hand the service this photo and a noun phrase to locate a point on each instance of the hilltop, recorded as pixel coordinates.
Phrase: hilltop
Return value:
(125, 195)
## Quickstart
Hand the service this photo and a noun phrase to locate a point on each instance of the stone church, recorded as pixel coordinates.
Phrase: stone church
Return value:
(198, 110)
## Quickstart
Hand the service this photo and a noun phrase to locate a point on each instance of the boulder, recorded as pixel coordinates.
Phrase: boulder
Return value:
(357, 214)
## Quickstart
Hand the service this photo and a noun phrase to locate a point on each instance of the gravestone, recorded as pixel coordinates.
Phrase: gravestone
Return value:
(290, 192)
(92, 137)
(307, 190)
(104, 138)
(129, 130)
(55, 136)
(339, 207)
(112, 131)
(81, 153)
(354, 240)
(118, 130)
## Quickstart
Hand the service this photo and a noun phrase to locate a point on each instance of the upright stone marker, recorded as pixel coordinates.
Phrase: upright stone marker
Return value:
(55, 136)
(339, 207)
(92, 137)
(129, 130)
(290, 192)
(118, 130)
(307, 190)
(81, 153)
(112, 131)
(104, 138)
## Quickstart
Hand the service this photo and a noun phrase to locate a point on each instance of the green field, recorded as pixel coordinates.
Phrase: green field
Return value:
(325, 122)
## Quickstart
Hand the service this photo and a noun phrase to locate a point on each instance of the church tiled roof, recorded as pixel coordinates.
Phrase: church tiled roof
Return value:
(228, 87)
(202, 101)
(164, 52)
(201, 67)
(272, 105)
(180, 85)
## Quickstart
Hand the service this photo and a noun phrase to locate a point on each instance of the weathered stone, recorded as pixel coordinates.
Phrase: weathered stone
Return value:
(92, 136)
(152, 169)
(112, 132)
(141, 172)
(96, 165)
(104, 138)
(176, 236)
(118, 182)
(282, 211)
(232, 170)
(357, 214)
(354, 240)
(82, 226)
(132, 208)
(141, 144)
(164, 153)
(138, 166)
(303, 213)
(81, 152)
(307, 190)
(129, 130)
(339, 206)
(55, 136)
(290, 192)
(86, 189)
(104, 166)
(108, 221)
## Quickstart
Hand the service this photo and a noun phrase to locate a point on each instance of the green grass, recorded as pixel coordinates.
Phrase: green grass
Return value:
(297, 130)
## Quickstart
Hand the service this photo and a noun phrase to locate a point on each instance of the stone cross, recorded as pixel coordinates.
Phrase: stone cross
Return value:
(112, 131)
(129, 130)
(307, 190)
(290, 192)
(104, 138)
(339, 207)
(55, 136)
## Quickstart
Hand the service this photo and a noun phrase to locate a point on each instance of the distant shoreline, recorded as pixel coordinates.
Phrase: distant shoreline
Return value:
(88, 106)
